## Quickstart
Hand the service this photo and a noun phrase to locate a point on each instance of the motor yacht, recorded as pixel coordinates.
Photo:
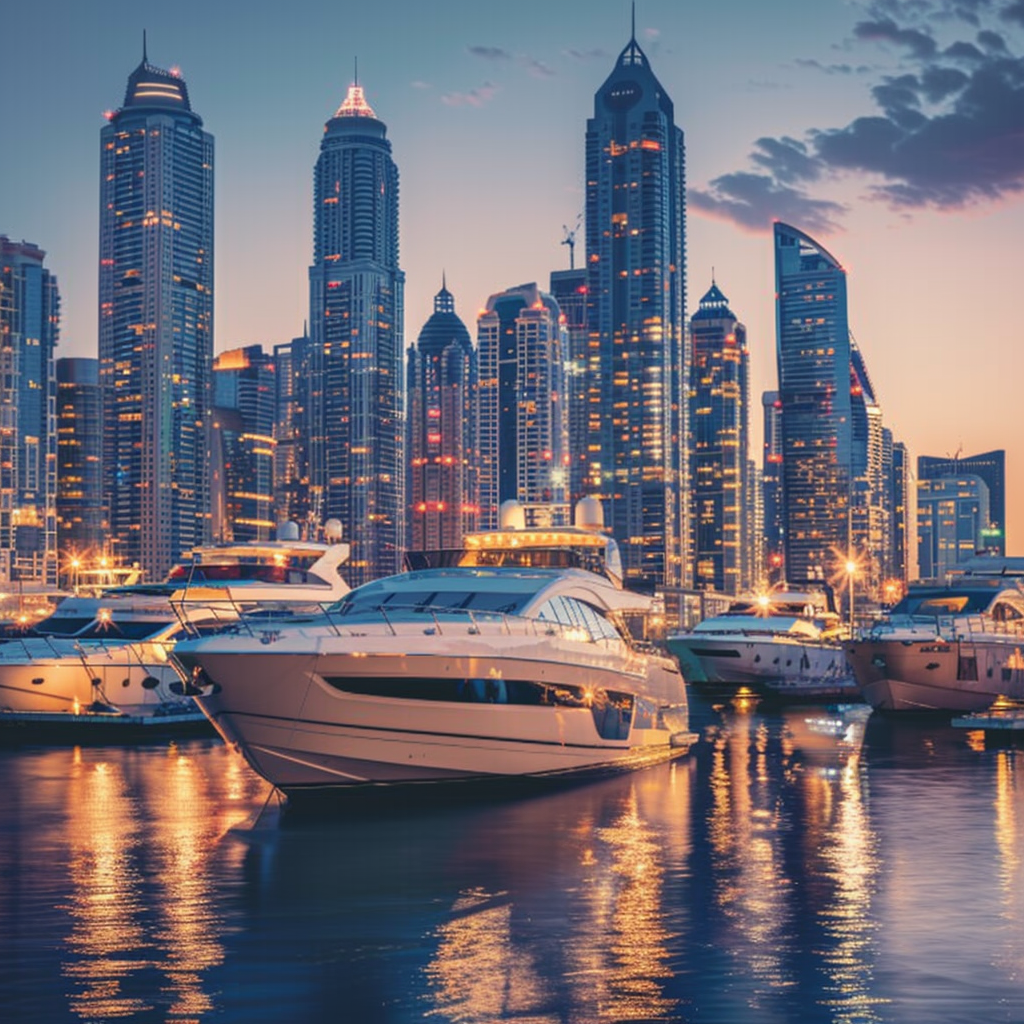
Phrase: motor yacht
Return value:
(953, 646)
(106, 655)
(786, 644)
(509, 658)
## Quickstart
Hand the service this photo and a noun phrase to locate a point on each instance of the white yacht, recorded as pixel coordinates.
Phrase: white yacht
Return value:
(787, 643)
(104, 657)
(956, 646)
(508, 658)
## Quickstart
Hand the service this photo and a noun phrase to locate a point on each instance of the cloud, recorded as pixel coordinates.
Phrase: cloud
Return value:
(833, 69)
(598, 53)
(754, 201)
(538, 68)
(477, 97)
(419, 84)
(489, 53)
(946, 130)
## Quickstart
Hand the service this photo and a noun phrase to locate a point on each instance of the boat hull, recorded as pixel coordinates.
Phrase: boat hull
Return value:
(351, 719)
(936, 674)
(790, 670)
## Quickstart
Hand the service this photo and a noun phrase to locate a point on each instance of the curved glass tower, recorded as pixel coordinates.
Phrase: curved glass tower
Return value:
(636, 290)
(357, 465)
(156, 320)
(813, 351)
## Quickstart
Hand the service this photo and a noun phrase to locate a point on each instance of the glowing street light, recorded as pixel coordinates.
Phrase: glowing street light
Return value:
(851, 571)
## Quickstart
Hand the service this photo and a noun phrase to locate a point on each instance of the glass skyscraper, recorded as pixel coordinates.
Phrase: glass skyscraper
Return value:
(719, 397)
(357, 460)
(80, 528)
(242, 448)
(156, 320)
(523, 425)
(29, 329)
(569, 289)
(636, 290)
(989, 467)
(813, 351)
(442, 382)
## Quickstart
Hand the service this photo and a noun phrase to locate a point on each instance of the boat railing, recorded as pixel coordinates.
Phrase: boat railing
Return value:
(951, 627)
(414, 620)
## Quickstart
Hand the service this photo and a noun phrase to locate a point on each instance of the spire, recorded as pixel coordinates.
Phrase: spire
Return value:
(355, 79)
(354, 104)
(632, 54)
(145, 58)
(632, 31)
(443, 300)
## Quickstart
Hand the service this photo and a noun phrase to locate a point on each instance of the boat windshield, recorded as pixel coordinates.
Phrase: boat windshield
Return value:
(932, 603)
(426, 594)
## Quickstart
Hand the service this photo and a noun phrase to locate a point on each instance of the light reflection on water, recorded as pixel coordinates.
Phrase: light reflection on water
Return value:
(797, 866)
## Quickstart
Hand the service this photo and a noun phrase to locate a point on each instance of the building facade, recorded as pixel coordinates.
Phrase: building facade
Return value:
(156, 320)
(989, 467)
(569, 289)
(813, 354)
(719, 413)
(442, 384)
(771, 487)
(243, 445)
(29, 331)
(522, 414)
(636, 292)
(357, 457)
(294, 381)
(81, 530)
(952, 516)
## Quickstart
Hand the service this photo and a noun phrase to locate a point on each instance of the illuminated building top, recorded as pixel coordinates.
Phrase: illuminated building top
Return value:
(354, 104)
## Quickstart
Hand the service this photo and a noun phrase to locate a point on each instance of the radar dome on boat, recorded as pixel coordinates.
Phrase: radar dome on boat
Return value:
(332, 531)
(511, 515)
(288, 531)
(589, 514)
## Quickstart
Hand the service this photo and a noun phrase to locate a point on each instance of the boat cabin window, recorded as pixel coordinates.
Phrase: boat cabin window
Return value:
(63, 625)
(373, 599)
(567, 611)
(943, 603)
(1003, 612)
(114, 630)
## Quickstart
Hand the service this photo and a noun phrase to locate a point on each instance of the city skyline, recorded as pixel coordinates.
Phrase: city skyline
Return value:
(486, 111)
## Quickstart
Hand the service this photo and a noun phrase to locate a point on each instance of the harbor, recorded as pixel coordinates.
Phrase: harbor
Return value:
(788, 868)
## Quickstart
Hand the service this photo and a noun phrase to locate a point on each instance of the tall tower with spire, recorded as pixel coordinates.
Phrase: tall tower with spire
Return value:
(357, 463)
(156, 320)
(636, 295)
(442, 383)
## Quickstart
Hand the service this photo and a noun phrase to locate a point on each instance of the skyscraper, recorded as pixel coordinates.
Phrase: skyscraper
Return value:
(569, 289)
(636, 290)
(719, 397)
(523, 429)
(244, 394)
(29, 330)
(356, 313)
(442, 382)
(293, 378)
(952, 516)
(989, 467)
(813, 351)
(771, 484)
(80, 526)
(156, 320)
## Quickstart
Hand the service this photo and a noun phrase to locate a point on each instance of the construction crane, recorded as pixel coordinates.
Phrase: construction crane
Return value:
(569, 239)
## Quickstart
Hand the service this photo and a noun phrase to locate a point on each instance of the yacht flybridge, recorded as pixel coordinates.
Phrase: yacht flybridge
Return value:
(508, 658)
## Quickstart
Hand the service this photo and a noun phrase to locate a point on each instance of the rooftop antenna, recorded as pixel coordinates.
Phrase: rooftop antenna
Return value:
(145, 59)
(356, 60)
(569, 239)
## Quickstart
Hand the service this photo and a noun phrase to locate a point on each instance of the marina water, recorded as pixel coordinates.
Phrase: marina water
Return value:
(799, 864)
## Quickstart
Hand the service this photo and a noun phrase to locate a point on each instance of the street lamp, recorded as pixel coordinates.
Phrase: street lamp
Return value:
(851, 569)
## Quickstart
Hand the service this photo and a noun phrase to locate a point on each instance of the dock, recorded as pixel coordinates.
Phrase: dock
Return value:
(994, 720)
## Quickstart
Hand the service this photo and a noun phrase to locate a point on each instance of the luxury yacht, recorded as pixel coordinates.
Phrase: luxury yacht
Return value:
(787, 643)
(957, 646)
(508, 658)
(106, 655)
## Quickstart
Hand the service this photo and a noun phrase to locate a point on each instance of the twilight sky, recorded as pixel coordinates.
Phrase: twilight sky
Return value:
(892, 131)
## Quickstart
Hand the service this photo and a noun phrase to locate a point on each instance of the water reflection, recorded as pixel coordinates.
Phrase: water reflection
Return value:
(136, 830)
(796, 867)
